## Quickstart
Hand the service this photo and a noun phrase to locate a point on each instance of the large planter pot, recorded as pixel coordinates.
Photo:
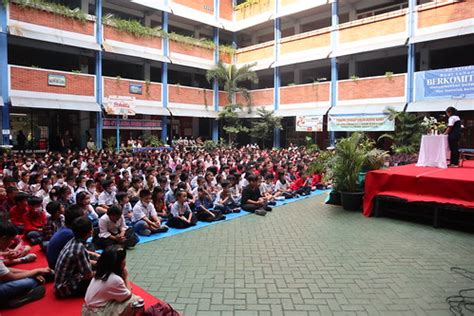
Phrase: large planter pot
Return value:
(352, 201)
(334, 198)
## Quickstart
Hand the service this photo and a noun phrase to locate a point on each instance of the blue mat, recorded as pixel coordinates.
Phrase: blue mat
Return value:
(174, 231)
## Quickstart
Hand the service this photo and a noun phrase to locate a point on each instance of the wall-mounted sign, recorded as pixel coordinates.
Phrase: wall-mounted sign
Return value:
(120, 105)
(135, 88)
(310, 123)
(370, 122)
(56, 80)
(449, 83)
(133, 124)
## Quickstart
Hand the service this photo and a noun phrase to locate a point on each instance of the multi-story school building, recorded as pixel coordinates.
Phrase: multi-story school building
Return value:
(338, 63)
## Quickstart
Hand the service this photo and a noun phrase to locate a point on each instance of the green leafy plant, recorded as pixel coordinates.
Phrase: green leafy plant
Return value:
(231, 79)
(152, 140)
(389, 74)
(262, 128)
(75, 71)
(321, 164)
(408, 130)
(311, 147)
(55, 8)
(349, 159)
(110, 143)
(354, 77)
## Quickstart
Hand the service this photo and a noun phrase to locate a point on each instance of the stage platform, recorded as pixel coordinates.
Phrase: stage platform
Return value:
(450, 187)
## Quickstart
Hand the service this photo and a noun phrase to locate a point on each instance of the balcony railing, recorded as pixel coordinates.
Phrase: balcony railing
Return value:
(260, 98)
(140, 90)
(114, 34)
(51, 81)
(388, 86)
(249, 9)
(262, 53)
(444, 12)
(190, 95)
(307, 93)
(206, 6)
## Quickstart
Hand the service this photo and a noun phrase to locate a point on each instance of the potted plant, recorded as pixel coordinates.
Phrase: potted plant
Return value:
(349, 159)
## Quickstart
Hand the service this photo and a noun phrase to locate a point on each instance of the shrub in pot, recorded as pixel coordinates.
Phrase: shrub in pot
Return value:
(349, 159)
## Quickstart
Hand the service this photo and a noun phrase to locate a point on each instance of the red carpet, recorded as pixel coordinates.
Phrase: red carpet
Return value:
(50, 305)
(453, 186)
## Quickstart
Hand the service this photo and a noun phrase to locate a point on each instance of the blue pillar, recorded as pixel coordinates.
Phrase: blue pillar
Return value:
(98, 75)
(164, 80)
(411, 51)
(4, 78)
(334, 74)
(276, 76)
(215, 86)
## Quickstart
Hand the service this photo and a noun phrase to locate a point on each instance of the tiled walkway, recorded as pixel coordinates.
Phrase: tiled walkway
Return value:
(306, 258)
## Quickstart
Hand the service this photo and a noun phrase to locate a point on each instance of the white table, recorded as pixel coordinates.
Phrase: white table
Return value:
(434, 151)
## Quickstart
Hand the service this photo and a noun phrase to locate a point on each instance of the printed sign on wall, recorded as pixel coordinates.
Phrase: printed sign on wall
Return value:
(377, 122)
(449, 83)
(313, 123)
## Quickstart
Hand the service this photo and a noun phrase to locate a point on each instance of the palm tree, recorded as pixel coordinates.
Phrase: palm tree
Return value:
(231, 78)
(263, 127)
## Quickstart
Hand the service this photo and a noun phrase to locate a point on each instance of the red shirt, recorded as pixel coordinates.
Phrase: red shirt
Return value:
(33, 220)
(297, 184)
(316, 179)
(16, 215)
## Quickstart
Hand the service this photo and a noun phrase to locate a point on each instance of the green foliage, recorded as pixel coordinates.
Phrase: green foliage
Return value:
(349, 159)
(231, 78)
(322, 163)
(311, 147)
(389, 74)
(135, 28)
(110, 143)
(152, 140)
(354, 77)
(246, 4)
(55, 8)
(408, 130)
(262, 128)
(210, 145)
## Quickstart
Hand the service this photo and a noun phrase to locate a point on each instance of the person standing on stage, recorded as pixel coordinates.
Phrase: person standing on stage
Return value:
(454, 135)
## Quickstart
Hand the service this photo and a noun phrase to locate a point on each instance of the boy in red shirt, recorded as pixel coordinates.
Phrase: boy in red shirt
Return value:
(34, 220)
(17, 211)
(301, 186)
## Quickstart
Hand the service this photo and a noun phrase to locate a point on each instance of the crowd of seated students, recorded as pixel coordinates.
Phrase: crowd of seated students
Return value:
(71, 204)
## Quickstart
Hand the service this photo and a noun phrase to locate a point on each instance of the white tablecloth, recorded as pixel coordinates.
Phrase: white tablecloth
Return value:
(434, 151)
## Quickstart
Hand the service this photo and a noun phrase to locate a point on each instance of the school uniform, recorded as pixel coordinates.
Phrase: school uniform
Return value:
(177, 210)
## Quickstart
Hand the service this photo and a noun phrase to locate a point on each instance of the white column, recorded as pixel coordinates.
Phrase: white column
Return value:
(146, 71)
(297, 75)
(297, 28)
(195, 127)
(85, 6)
(352, 66)
(147, 20)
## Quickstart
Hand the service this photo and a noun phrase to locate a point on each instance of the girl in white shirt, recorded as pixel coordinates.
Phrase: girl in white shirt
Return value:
(109, 292)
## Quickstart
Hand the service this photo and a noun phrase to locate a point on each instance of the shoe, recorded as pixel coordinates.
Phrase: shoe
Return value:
(272, 203)
(236, 210)
(162, 229)
(267, 209)
(28, 258)
(260, 212)
(145, 232)
(33, 295)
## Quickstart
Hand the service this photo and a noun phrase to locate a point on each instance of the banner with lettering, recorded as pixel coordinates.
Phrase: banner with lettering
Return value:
(133, 124)
(310, 123)
(449, 83)
(362, 122)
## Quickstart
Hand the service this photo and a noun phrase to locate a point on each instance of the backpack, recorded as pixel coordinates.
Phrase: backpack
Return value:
(161, 309)
(131, 239)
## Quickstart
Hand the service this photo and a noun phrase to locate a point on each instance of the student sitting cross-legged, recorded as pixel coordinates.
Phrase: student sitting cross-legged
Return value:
(252, 200)
(109, 292)
(112, 230)
(180, 213)
(202, 208)
(18, 287)
(145, 220)
(73, 268)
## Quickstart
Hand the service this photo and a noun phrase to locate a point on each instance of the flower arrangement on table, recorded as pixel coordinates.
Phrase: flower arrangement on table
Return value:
(433, 127)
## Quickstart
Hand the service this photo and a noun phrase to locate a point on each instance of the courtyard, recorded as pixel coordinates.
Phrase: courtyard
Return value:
(306, 258)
